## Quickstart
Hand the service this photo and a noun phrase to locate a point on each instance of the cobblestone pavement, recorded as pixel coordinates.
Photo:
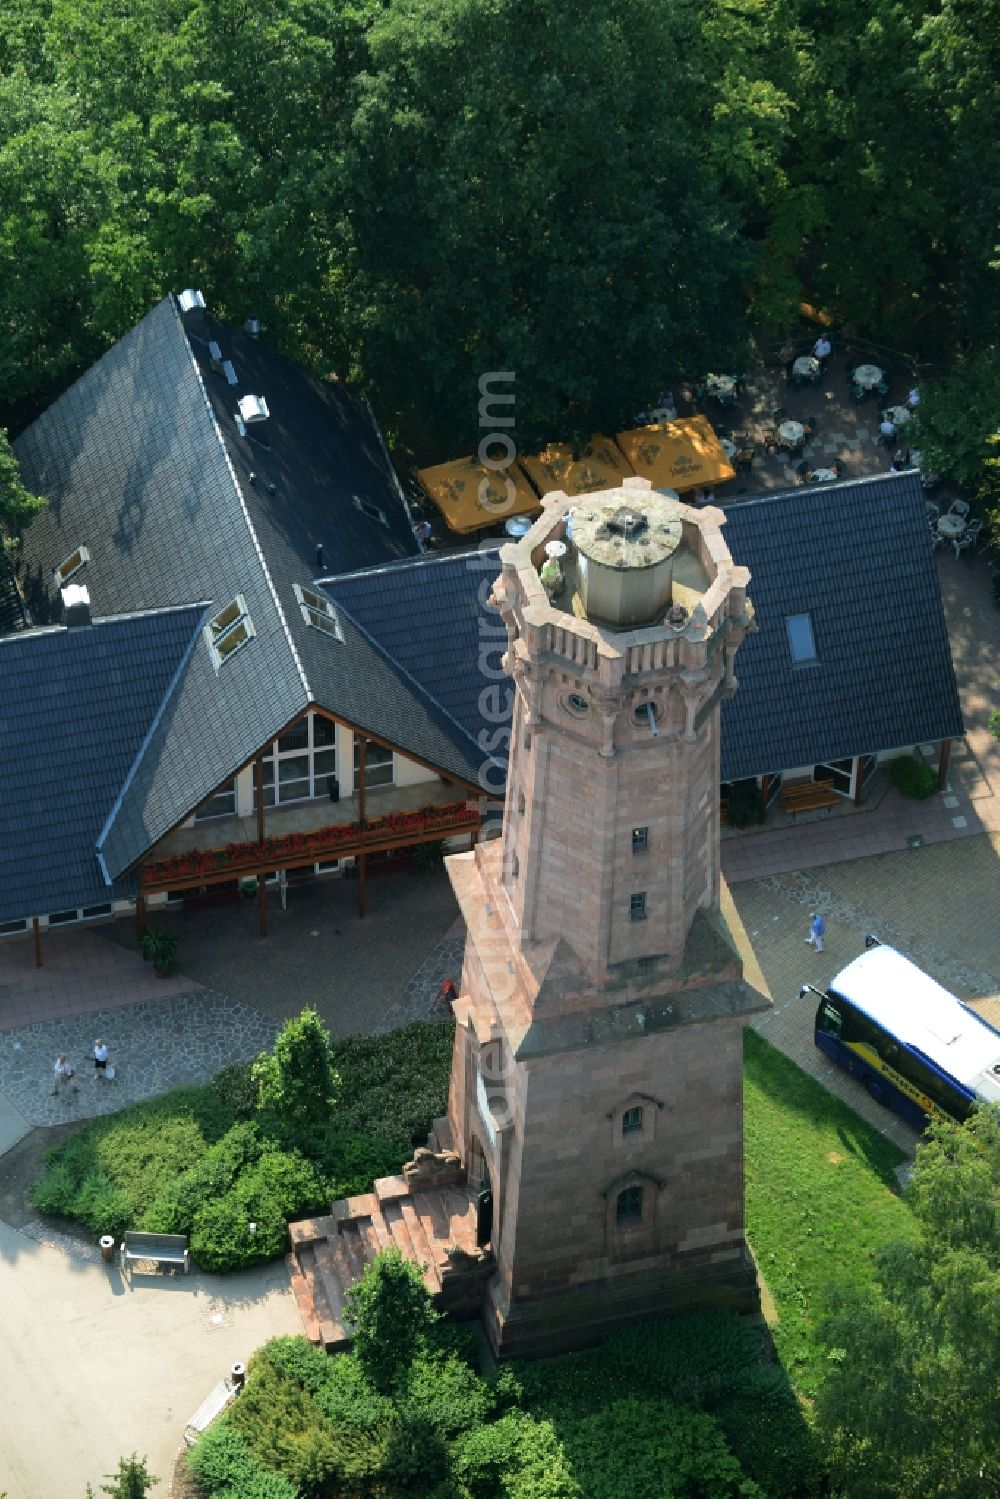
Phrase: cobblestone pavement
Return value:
(154, 1047)
(318, 950)
(420, 993)
(936, 904)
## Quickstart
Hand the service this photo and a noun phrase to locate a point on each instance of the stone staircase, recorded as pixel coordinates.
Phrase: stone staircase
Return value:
(428, 1213)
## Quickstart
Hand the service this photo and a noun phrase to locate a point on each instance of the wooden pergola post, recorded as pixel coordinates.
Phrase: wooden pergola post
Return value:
(258, 776)
(362, 743)
(37, 932)
(765, 788)
(944, 754)
(140, 915)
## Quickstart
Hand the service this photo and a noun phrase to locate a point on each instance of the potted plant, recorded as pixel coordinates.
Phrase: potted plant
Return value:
(148, 942)
(162, 948)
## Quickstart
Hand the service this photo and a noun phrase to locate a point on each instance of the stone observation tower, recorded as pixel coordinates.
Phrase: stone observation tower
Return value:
(590, 1169)
(596, 1089)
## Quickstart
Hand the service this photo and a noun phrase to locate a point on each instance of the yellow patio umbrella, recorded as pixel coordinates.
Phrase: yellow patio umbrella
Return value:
(599, 466)
(684, 454)
(471, 496)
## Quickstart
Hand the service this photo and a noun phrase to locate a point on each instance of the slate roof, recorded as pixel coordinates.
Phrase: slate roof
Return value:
(76, 707)
(143, 464)
(855, 556)
(430, 616)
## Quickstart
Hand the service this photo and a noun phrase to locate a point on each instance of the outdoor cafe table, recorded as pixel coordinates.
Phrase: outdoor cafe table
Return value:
(792, 433)
(898, 415)
(951, 526)
(720, 385)
(823, 475)
(806, 366)
(867, 376)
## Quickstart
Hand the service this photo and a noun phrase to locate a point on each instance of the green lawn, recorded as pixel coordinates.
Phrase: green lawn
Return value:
(820, 1197)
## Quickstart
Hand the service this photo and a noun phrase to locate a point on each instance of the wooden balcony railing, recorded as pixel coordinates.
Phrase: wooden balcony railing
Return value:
(205, 866)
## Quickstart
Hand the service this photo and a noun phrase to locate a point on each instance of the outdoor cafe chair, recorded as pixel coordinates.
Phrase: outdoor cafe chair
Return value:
(933, 511)
(974, 530)
(959, 507)
(744, 460)
(960, 543)
(772, 442)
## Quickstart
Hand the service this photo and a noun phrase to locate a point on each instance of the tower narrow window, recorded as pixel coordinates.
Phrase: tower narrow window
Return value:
(640, 840)
(637, 905)
(628, 1209)
(632, 1121)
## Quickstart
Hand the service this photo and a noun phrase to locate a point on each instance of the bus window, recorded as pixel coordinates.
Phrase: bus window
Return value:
(828, 1018)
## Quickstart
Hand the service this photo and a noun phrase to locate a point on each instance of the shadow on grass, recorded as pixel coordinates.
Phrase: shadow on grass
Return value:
(780, 1078)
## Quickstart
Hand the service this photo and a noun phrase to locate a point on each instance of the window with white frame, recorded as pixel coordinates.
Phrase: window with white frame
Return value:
(373, 512)
(226, 631)
(379, 769)
(318, 611)
(296, 765)
(72, 564)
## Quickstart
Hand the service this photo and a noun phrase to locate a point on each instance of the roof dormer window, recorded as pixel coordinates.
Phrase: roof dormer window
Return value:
(228, 630)
(318, 611)
(72, 564)
(372, 511)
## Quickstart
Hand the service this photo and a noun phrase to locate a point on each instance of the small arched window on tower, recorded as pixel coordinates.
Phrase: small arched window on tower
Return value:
(628, 1207)
(632, 1120)
(515, 867)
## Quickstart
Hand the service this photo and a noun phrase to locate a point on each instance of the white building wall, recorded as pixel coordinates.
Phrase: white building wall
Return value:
(409, 773)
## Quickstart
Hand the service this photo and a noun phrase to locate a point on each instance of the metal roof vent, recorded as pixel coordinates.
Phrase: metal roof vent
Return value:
(76, 605)
(253, 409)
(252, 326)
(229, 370)
(190, 299)
(215, 354)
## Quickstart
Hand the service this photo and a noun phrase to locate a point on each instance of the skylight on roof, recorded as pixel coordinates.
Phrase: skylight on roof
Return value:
(372, 511)
(72, 564)
(228, 630)
(318, 611)
(801, 641)
(189, 299)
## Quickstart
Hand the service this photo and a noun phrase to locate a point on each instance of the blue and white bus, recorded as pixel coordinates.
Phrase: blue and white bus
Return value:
(917, 1049)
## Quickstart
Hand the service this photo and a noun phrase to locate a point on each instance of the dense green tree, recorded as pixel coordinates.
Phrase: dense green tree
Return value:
(17, 504)
(132, 1481)
(392, 1313)
(297, 1081)
(912, 1402)
(521, 191)
(956, 421)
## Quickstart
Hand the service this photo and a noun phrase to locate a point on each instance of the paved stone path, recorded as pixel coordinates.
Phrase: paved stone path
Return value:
(154, 1047)
(445, 961)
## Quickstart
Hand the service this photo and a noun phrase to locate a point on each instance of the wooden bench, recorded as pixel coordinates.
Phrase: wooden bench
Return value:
(803, 796)
(164, 1249)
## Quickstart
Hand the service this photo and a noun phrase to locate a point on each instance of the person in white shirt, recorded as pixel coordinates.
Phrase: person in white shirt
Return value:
(913, 399)
(100, 1060)
(62, 1072)
(822, 348)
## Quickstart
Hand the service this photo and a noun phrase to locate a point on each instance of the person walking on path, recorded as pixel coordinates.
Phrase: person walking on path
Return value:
(817, 931)
(100, 1060)
(62, 1074)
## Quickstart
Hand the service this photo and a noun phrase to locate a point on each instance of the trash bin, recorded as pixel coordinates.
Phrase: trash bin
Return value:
(237, 1376)
(107, 1248)
(333, 786)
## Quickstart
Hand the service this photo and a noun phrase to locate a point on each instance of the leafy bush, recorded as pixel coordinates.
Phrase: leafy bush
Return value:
(225, 1468)
(279, 1186)
(56, 1192)
(103, 1207)
(393, 1087)
(515, 1458)
(672, 1453)
(236, 1090)
(296, 1081)
(181, 1199)
(911, 777)
(446, 1393)
(350, 1163)
(392, 1313)
(692, 1360)
(775, 1444)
